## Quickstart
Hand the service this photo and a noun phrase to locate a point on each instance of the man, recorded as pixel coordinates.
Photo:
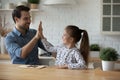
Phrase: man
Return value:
(22, 43)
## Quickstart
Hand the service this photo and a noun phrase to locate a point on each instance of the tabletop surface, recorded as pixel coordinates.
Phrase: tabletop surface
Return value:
(14, 72)
(4, 57)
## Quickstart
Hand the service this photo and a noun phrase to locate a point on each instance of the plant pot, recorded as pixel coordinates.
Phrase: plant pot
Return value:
(33, 6)
(108, 65)
(94, 53)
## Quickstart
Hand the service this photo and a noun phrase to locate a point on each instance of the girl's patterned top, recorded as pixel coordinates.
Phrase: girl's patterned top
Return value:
(72, 57)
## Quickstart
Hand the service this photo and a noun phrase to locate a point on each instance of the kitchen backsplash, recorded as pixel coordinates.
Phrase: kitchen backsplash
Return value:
(86, 14)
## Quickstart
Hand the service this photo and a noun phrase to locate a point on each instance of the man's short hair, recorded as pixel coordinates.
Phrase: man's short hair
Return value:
(17, 11)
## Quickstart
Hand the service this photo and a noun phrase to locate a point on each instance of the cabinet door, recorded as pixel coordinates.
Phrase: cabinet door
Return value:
(111, 16)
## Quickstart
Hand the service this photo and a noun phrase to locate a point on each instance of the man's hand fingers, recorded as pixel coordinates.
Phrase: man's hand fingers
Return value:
(40, 25)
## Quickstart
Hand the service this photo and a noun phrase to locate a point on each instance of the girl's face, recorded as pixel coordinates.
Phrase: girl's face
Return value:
(66, 38)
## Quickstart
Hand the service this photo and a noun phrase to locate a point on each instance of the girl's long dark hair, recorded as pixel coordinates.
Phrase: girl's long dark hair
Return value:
(84, 46)
(79, 34)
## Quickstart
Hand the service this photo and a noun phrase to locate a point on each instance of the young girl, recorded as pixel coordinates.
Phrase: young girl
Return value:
(68, 55)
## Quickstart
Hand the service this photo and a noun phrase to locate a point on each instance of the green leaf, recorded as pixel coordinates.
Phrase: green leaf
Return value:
(108, 54)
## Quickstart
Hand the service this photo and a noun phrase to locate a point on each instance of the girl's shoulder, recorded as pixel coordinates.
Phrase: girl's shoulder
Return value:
(75, 51)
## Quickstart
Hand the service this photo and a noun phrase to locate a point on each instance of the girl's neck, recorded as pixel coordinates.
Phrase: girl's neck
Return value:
(69, 46)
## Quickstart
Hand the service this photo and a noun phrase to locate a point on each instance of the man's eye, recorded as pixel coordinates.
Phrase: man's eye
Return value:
(26, 18)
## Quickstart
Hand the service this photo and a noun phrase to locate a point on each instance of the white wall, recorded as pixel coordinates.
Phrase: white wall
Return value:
(85, 14)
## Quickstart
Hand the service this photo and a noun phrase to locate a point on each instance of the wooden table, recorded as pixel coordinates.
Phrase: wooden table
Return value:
(14, 72)
(4, 57)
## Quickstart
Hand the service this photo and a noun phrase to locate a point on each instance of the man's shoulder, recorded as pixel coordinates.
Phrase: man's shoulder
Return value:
(10, 34)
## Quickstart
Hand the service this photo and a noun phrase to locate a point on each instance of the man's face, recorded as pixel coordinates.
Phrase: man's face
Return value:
(24, 21)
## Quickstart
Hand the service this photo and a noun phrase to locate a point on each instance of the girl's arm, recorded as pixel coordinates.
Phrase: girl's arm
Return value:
(48, 46)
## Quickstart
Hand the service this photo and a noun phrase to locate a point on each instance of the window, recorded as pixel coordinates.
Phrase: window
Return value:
(111, 16)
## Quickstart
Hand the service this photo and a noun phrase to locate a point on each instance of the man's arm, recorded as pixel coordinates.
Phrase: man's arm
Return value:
(28, 47)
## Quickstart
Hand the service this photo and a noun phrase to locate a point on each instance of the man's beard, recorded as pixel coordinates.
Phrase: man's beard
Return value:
(24, 28)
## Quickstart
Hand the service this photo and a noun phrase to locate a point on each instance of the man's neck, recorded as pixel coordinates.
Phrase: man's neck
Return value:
(23, 32)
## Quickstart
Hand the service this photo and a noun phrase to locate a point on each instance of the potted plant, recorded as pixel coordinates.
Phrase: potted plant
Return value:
(95, 50)
(94, 47)
(33, 3)
(108, 56)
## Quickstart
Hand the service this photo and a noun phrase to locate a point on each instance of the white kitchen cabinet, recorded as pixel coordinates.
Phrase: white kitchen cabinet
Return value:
(7, 6)
(110, 17)
(9, 12)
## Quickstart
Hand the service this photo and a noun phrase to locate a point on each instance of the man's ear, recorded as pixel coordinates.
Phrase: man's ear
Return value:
(16, 19)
